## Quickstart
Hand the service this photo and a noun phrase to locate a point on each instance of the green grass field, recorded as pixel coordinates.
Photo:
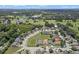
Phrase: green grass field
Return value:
(31, 42)
(11, 50)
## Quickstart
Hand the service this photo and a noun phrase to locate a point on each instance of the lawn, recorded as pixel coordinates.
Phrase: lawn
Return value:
(32, 41)
(11, 50)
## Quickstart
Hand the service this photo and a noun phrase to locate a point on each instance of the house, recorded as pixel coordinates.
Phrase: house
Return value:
(46, 31)
(18, 39)
(50, 42)
(14, 44)
(36, 16)
(6, 21)
(57, 40)
(17, 42)
(19, 21)
(45, 41)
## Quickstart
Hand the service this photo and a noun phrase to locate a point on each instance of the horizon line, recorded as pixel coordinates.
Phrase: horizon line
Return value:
(39, 6)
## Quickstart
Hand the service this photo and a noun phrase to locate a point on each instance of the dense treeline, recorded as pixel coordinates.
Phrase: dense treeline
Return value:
(72, 14)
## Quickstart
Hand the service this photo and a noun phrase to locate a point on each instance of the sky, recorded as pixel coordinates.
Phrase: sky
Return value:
(39, 4)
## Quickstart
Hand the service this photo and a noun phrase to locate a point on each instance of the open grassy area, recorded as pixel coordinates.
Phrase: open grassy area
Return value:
(37, 22)
(11, 50)
(31, 42)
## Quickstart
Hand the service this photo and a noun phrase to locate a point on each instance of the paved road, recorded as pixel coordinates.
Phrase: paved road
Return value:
(27, 37)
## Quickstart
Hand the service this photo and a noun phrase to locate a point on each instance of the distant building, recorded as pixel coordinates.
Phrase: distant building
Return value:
(19, 21)
(6, 21)
(46, 30)
(36, 16)
(18, 39)
(17, 42)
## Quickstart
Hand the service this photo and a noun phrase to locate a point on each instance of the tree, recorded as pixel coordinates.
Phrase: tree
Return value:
(62, 43)
(51, 35)
(50, 50)
(69, 24)
(46, 23)
(78, 28)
